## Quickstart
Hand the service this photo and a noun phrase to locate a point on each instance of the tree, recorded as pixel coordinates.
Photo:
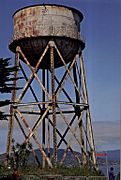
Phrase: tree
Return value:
(20, 154)
(6, 82)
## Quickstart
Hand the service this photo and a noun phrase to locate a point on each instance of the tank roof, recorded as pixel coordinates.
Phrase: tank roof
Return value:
(73, 9)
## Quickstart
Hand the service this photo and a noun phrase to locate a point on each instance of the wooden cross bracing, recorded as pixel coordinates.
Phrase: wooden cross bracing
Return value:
(51, 106)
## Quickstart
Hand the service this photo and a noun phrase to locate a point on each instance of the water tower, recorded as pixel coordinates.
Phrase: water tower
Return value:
(48, 51)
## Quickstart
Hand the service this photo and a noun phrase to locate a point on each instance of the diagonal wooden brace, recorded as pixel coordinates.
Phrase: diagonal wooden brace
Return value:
(34, 137)
(33, 75)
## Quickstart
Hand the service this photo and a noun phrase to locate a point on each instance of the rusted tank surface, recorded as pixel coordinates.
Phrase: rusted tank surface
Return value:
(34, 26)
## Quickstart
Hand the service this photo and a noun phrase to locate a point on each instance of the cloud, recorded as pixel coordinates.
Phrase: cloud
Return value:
(107, 135)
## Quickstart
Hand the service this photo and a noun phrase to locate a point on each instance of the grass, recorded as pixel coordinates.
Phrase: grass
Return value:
(60, 170)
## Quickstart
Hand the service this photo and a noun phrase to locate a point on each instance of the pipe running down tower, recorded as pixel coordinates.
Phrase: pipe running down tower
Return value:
(52, 108)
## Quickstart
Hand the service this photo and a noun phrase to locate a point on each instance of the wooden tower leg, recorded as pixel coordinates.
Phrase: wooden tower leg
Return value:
(53, 101)
(43, 122)
(89, 122)
(78, 113)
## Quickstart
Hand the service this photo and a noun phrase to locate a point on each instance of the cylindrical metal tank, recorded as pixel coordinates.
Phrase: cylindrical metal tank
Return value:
(35, 25)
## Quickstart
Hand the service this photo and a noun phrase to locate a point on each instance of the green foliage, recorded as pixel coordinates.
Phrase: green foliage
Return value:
(60, 170)
(6, 82)
(6, 74)
(5, 172)
(20, 154)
